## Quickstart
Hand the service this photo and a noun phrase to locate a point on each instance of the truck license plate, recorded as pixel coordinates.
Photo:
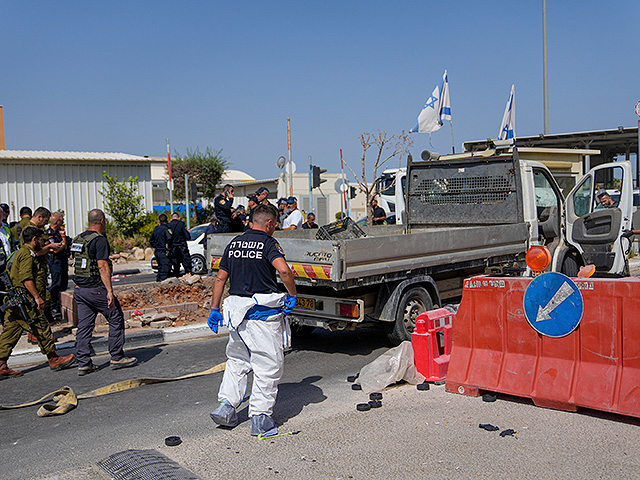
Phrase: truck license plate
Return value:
(308, 303)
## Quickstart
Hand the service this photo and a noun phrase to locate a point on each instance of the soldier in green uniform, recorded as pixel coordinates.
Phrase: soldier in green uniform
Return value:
(39, 219)
(24, 272)
(25, 220)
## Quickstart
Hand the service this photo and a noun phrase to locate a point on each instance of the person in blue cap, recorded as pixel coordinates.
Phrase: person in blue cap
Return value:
(294, 218)
(261, 194)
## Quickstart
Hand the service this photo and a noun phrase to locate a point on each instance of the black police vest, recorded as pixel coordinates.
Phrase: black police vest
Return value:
(82, 264)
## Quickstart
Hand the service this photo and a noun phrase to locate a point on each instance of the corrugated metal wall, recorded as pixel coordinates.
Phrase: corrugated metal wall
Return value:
(71, 187)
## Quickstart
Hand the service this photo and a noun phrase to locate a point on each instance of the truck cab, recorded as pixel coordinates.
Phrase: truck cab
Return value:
(392, 186)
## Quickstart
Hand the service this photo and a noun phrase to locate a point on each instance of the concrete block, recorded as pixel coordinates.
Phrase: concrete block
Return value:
(191, 279)
(160, 324)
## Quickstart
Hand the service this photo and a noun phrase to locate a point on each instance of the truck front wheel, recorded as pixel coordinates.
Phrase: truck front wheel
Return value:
(413, 302)
(570, 266)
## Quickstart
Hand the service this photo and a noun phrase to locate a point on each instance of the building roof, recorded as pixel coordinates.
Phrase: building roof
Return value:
(231, 176)
(70, 156)
(236, 183)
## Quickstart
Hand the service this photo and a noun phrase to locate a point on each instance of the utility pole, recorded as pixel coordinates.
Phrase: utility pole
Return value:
(186, 199)
(545, 69)
(310, 186)
(290, 161)
(170, 183)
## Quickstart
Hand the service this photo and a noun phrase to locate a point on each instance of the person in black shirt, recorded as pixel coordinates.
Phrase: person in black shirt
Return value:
(161, 242)
(179, 250)
(254, 310)
(94, 294)
(311, 222)
(378, 214)
(222, 209)
(58, 263)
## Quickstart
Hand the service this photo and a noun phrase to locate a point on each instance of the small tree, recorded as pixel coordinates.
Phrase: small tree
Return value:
(123, 204)
(204, 168)
(386, 147)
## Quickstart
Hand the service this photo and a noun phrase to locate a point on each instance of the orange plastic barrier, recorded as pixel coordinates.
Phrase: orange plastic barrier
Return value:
(431, 342)
(595, 366)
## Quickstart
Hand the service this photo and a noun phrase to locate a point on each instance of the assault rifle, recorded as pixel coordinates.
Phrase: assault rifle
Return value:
(15, 297)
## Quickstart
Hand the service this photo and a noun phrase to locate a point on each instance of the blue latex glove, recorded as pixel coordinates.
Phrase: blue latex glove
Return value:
(214, 320)
(289, 304)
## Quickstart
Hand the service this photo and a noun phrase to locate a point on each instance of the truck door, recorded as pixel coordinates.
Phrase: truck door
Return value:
(594, 229)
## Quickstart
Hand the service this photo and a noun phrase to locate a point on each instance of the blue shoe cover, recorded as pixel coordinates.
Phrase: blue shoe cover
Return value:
(263, 425)
(225, 415)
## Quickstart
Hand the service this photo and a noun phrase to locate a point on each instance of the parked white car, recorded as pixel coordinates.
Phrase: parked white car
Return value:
(196, 249)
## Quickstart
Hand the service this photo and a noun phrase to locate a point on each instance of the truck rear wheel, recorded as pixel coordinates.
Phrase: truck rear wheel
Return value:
(413, 302)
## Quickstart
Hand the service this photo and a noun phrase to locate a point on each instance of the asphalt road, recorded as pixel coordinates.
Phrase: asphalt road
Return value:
(415, 434)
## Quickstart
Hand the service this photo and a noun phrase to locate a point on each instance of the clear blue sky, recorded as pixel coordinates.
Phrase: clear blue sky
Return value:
(121, 76)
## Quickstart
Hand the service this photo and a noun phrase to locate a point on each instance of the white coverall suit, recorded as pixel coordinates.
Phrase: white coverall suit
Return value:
(255, 343)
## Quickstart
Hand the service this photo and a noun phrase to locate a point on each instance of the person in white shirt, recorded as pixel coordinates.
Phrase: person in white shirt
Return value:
(294, 220)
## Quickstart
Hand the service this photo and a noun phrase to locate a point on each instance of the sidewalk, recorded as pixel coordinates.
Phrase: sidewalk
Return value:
(26, 354)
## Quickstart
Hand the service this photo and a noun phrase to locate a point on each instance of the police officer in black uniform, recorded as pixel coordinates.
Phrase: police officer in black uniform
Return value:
(179, 251)
(222, 209)
(161, 241)
(94, 293)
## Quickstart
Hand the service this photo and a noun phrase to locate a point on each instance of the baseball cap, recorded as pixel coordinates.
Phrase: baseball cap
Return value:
(253, 198)
(5, 207)
(601, 193)
(262, 189)
(282, 200)
(292, 200)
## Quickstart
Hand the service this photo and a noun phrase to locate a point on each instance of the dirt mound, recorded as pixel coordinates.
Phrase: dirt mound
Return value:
(175, 291)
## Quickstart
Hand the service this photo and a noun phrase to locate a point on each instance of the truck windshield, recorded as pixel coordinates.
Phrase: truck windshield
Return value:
(387, 184)
(545, 194)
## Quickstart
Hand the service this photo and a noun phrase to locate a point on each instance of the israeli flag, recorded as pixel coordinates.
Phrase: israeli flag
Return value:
(437, 109)
(508, 127)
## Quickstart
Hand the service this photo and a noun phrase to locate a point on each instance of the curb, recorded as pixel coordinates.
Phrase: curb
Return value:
(31, 356)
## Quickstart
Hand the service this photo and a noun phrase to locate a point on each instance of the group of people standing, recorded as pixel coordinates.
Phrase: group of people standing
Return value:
(27, 268)
(169, 242)
(227, 219)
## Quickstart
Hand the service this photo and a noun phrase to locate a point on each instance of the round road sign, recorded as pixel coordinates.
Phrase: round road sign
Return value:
(638, 108)
(553, 305)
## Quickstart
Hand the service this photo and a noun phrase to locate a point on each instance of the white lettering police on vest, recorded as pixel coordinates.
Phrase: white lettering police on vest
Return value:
(244, 249)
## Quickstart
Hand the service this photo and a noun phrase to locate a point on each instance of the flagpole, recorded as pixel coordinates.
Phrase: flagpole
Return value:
(343, 200)
(453, 145)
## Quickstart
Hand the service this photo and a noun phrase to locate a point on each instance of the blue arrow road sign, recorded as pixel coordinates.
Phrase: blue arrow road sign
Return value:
(553, 305)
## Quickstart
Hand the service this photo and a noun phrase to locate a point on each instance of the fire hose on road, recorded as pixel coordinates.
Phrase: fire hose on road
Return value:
(65, 398)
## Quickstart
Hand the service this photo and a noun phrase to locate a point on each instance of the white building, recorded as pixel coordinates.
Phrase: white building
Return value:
(67, 181)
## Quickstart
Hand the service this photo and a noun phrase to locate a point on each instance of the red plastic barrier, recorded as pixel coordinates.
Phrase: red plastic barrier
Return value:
(431, 341)
(596, 366)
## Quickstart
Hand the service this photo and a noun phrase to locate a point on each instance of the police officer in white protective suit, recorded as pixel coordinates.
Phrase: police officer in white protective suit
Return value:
(255, 313)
